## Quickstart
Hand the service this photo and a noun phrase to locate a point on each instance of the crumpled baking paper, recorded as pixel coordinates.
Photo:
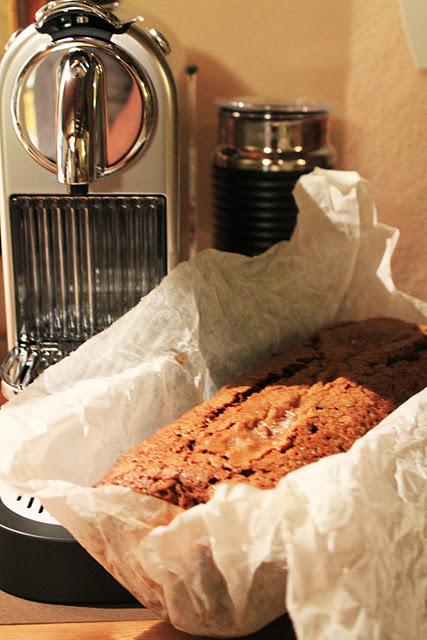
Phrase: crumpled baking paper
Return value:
(342, 543)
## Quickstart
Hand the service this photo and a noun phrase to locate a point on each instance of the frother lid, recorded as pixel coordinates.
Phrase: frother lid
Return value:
(268, 105)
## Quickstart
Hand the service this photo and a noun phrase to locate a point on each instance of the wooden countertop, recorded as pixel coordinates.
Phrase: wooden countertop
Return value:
(90, 631)
(26, 620)
(126, 630)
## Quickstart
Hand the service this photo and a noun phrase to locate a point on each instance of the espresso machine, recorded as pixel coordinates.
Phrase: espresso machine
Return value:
(93, 159)
(93, 175)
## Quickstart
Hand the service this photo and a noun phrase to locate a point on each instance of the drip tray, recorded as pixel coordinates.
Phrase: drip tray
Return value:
(41, 561)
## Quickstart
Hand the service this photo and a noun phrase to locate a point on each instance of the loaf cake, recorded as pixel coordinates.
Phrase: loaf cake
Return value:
(315, 400)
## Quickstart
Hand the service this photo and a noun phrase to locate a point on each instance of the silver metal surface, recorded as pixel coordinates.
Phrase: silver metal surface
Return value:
(12, 39)
(267, 135)
(171, 135)
(63, 7)
(147, 26)
(160, 40)
(128, 115)
(256, 105)
(23, 364)
(81, 125)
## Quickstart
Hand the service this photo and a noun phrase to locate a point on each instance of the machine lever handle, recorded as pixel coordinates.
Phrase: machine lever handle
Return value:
(81, 123)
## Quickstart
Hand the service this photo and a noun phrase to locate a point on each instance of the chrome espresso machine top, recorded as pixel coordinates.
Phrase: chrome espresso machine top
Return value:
(93, 173)
(94, 155)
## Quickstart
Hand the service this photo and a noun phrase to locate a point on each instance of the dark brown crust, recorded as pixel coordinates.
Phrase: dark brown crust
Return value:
(313, 401)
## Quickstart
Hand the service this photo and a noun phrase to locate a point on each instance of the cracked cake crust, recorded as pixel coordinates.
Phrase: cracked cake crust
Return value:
(315, 400)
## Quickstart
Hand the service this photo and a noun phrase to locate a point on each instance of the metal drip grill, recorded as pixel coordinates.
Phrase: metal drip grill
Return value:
(79, 264)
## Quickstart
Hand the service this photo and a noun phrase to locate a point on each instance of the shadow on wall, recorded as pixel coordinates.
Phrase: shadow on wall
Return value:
(215, 81)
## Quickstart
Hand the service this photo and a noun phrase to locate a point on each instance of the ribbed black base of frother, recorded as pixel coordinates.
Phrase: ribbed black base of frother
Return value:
(253, 209)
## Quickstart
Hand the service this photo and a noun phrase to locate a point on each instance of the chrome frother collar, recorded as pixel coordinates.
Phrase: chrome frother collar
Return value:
(270, 135)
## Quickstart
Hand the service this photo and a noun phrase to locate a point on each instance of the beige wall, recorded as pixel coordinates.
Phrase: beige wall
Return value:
(349, 53)
(385, 134)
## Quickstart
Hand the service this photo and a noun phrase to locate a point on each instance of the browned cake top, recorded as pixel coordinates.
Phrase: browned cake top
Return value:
(313, 401)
